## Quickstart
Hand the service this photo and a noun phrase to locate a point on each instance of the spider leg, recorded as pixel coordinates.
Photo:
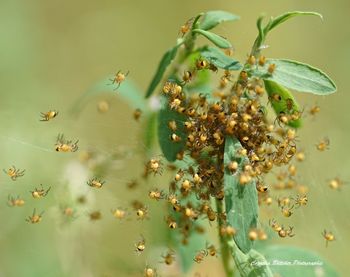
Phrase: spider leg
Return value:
(117, 86)
(47, 191)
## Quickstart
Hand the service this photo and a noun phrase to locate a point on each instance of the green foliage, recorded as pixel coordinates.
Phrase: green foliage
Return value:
(280, 105)
(164, 63)
(291, 254)
(300, 77)
(127, 91)
(252, 264)
(213, 18)
(170, 148)
(214, 38)
(274, 22)
(201, 82)
(202, 79)
(219, 59)
(150, 130)
(241, 200)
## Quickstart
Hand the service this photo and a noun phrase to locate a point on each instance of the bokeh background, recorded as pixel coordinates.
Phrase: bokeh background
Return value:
(52, 51)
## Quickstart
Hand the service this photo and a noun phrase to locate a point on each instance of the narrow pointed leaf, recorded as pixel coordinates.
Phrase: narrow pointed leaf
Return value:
(213, 18)
(214, 38)
(274, 22)
(300, 77)
(164, 63)
(219, 59)
(241, 200)
(284, 17)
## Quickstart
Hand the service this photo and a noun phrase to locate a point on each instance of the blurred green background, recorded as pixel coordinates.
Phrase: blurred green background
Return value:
(52, 51)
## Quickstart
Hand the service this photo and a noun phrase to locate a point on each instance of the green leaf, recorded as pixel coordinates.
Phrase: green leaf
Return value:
(195, 23)
(201, 82)
(150, 130)
(300, 77)
(202, 77)
(274, 22)
(213, 18)
(214, 38)
(241, 200)
(219, 59)
(260, 28)
(280, 103)
(127, 91)
(291, 254)
(164, 63)
(252, 264)
(170, 148)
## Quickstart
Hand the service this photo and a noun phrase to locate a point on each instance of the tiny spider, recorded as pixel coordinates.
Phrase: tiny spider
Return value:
(137, 114)
(68, 212)
(95, 215)
(34, 218)
(40, 193)
(63, 145)
(140, 245)
(95, 183)
(14, 173)
(336, 183)
(118, 78)
(156, 194)
(142, 213)
(274, 225)
(172, 224)
(199, 257)
(323, 144)
(286, 232)
(15, 202)
(314, 110)
(328, 236)
(169, 257)
(149, 272)
(119, 213)
(48, 115)
(212, 250)
(184, 29)
(287, 211)
(154, 166)
(301, 200)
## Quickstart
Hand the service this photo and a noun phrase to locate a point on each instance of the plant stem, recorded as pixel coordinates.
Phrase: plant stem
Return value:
(226, 254)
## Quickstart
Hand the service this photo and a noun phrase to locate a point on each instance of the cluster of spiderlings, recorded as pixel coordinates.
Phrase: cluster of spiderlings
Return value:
(233, 109)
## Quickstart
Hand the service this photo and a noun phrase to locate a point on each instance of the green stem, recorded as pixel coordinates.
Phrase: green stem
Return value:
(226, 255)
(181, 57)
